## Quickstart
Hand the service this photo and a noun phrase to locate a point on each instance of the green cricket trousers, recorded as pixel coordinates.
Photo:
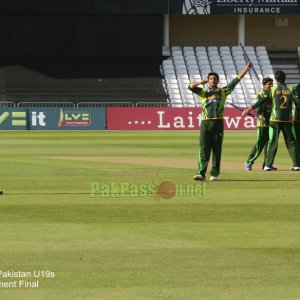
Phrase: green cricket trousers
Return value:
(289, 136)
(211, 138)
(297, 132)
(261, 143)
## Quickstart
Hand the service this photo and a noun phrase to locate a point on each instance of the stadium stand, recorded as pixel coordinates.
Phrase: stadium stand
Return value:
(81, 79)
(288, 61)
(2, 85)
(187, 64)
(137, 80)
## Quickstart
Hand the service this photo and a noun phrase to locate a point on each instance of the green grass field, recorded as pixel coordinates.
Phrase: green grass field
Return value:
(239, 241)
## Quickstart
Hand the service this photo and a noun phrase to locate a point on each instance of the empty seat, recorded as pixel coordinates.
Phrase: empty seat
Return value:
(166, 51)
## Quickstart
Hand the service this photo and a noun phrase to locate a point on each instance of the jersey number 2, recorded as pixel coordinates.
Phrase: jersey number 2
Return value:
(283, 104)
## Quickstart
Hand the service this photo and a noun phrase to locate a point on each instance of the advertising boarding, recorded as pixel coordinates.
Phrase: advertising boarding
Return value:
(170, 119)
(213, 7)
(52, 118)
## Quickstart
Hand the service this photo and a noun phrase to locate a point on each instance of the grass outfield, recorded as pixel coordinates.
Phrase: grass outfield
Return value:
(239, 241)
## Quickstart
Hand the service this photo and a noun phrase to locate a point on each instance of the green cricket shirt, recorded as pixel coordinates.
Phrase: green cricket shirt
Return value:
(263, 107)
(281, 103)
(295, 89)
(213, 99)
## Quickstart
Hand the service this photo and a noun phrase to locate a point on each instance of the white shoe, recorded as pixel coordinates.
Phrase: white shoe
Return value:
(295, 169)
(213, 178)
(267, 168)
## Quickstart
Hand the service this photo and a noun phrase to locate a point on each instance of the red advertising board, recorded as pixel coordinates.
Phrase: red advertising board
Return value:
(136, 118)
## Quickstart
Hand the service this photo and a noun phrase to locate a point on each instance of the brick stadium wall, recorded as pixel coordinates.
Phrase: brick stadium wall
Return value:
(203, 30)
(223, 30)
(261, 30)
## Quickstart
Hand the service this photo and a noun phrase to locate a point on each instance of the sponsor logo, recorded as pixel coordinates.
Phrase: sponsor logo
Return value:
(170, 119)
(206, 7)
(196, 7)
(74, 118)
(4, 116)
(21, 118)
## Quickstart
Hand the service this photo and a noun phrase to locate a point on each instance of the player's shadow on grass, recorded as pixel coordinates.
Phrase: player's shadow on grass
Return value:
(46, 193)
(256, 180)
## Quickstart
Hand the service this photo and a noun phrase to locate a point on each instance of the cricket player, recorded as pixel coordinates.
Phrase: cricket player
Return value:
(296, 118)
(212, 128)
(263, 108)
(281, 120)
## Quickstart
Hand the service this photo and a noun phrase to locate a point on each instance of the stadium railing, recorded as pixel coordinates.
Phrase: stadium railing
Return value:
(105, 104)
(152, 104)
(46, 104)
(83, 104)
(7, 104)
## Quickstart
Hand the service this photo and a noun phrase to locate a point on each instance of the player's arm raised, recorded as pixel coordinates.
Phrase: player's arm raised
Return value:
(245, 70)
(195, 84)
